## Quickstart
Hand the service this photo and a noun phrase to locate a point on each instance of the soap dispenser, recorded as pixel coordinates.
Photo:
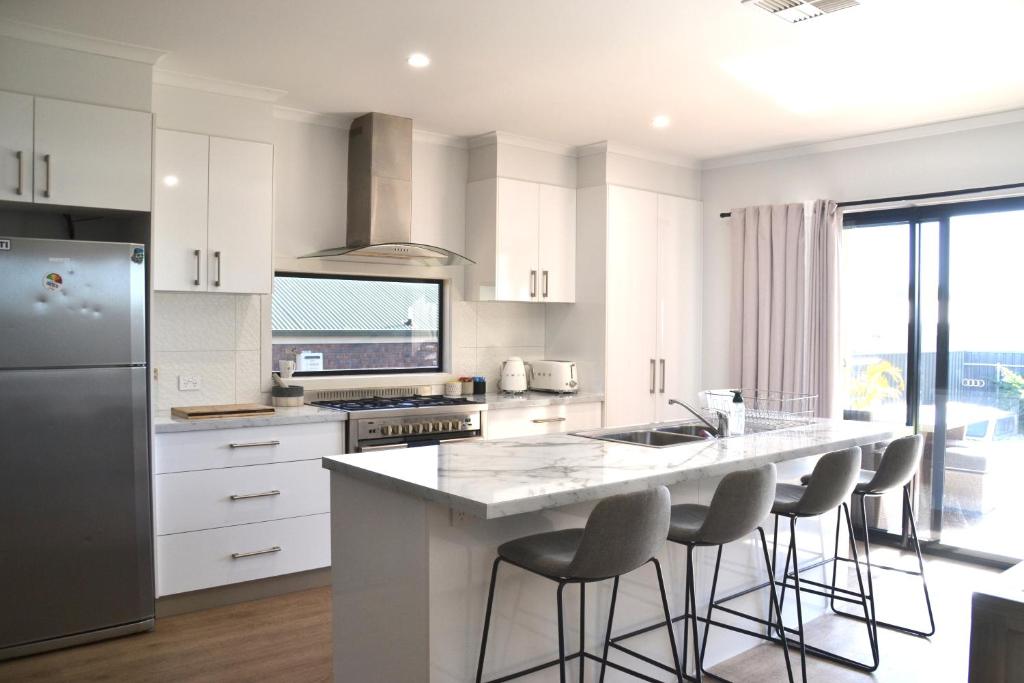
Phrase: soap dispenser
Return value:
(737, 414)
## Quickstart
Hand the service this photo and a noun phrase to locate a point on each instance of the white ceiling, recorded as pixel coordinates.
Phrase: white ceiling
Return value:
(732, 78)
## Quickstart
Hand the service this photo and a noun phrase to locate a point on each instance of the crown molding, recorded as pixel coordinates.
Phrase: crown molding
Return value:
(657, 156)
(214, 85)
(43, 35)
(312, 117)
(500, 137)
(435, 138)
(897, 135)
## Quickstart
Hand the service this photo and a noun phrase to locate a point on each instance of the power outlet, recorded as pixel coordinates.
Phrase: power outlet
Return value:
(188, 382)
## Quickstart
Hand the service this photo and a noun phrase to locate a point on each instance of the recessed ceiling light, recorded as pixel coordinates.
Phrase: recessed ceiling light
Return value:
(418, 60)
(660, 121)
(170, 180)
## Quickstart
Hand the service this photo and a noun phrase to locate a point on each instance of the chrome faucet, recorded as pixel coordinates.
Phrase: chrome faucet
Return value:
(722, 430)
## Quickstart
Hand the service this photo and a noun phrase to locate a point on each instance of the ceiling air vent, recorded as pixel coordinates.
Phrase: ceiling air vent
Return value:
(795, 11)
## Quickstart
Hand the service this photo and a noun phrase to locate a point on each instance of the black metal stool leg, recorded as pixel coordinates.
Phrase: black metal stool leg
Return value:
(796, 591)
(561, 636)
(835, 554)
(693, 612)
(920, 569)
(487, 621)
(773, 603)
(608, 633)
(668, 620)
(711, 606)
(583, 621)
(868, 617)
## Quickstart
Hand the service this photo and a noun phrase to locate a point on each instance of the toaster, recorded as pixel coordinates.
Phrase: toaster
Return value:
(553, 375)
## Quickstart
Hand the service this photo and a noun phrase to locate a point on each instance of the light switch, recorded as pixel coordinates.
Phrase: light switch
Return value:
(188, 382)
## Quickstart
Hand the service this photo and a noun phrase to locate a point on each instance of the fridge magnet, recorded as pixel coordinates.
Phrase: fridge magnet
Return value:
(53, 281)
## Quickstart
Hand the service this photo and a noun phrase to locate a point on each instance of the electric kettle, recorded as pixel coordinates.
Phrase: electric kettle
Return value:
(513, 375)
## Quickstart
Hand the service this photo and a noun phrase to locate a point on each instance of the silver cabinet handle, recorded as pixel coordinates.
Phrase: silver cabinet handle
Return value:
(253, 553)
(49, 172)
(652, 375)
(253, 444)
(545, 284)
(533, 283)
(543, 420)
(197, 253)
(20, 189)
(216, 255)
(247, 496)
(663, 375)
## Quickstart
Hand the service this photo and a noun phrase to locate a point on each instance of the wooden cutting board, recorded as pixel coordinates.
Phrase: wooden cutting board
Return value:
(221, 411)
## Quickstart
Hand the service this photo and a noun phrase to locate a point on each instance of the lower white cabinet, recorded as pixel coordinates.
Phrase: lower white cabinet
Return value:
(235, 505)
(216, 557)
(539, 420)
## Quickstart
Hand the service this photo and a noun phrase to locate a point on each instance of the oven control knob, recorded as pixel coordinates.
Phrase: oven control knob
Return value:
(438, 427)
(385, 430)
(417, 428)
(407, 429)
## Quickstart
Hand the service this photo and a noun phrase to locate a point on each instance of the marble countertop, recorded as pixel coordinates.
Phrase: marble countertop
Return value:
(490, 479)
(531, 399)
(282, 416)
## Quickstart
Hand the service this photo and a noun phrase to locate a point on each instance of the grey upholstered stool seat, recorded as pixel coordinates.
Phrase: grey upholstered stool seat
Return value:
(740, 503)
(548, 554)
(900, 462)
(622, 534)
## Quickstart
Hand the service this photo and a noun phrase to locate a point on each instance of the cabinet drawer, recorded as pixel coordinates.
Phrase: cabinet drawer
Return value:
(216, 557)
(206, 499)
(554, 419)
(210, 449)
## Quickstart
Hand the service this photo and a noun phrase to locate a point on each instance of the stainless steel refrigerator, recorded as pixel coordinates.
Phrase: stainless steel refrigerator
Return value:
(76, 548)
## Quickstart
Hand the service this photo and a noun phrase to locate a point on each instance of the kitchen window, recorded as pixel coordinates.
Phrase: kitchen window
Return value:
(357, 325)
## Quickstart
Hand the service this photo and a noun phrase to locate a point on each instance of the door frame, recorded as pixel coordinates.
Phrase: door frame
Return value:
(913, 217)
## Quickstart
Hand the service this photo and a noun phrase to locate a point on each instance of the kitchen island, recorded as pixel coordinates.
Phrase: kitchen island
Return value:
(414, 533)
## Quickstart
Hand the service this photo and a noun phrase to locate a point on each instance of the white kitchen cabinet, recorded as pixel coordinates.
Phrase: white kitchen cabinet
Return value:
(213, 214)
(87, 155)
(240, 504)
(652, 305)
(557, 244)
(180, 210)
(522, 236)
(240, 240)
(538, 420)
(15, 147)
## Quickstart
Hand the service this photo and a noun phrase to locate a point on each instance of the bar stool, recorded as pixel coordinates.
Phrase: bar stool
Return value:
(741, 501)
(828, 487)
(623, 533)
(899, 463)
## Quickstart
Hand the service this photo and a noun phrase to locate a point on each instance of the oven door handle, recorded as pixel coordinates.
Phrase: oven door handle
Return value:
(385, 447)
(464, 438)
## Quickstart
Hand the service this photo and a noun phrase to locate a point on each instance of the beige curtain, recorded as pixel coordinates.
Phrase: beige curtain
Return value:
(785, 299)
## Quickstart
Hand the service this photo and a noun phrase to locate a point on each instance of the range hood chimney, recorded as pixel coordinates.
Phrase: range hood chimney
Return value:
(380, 198)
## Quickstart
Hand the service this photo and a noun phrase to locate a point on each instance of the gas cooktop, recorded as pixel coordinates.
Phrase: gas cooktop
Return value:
(398, 403)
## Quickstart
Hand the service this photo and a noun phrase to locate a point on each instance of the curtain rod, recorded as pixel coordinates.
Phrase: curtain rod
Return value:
(914, 197)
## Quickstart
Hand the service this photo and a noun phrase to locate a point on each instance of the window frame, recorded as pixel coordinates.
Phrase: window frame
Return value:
(441, 336)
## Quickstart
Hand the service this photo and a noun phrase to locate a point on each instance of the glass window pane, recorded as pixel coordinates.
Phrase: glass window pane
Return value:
(347, 324)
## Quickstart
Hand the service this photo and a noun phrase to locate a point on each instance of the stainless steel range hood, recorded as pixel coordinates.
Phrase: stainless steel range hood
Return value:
(380, 198)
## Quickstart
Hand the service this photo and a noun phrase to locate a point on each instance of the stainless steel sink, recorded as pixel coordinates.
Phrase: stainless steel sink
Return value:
(648, 437)
(694, 430)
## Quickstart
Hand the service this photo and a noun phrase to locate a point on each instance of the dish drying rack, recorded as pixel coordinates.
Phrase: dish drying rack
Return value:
(768, 408)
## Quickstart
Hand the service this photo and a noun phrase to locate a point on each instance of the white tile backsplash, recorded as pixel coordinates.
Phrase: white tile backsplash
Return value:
(488, 332)
(509, 324)
(213, 336)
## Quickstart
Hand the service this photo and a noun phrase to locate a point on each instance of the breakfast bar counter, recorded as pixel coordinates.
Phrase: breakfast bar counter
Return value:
(414, 533)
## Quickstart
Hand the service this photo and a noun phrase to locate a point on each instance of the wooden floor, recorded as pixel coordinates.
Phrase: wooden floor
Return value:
(287, 638)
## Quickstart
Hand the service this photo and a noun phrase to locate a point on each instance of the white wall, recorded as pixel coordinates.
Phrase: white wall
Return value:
(951, 161)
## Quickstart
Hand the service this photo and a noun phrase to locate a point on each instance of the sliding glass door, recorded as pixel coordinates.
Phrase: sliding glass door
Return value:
(934, 336)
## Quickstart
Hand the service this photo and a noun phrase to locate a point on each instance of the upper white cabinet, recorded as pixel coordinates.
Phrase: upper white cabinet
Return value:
(213, 214)
(73, 154)
(15, 147)
(652, 305)
(522, 236)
